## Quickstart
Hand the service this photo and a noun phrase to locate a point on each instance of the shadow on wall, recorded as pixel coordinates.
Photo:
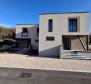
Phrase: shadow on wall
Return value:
(51, 53)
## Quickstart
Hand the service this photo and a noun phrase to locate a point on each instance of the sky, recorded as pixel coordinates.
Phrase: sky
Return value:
(14, 12)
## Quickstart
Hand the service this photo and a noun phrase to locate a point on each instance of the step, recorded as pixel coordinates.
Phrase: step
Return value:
(76, 57)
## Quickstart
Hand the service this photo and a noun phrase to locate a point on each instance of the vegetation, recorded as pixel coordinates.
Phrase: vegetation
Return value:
(7, 33)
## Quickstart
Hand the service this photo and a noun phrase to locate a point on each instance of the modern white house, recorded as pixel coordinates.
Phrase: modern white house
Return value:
(28, 36)
(56, 33)
(63, 32)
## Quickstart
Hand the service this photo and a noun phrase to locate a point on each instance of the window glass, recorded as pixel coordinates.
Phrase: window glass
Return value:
(72, 25)
(50, 25)
(24, 29)
(24, 32)
(50, 38)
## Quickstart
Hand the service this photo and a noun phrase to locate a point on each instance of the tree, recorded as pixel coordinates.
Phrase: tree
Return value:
(7, 32)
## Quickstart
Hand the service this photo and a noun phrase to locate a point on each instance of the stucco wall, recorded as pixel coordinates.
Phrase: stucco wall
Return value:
(60, 27)
(19, 28)
(76, 44)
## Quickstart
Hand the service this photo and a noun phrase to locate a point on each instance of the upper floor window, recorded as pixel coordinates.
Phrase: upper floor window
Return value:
(73, 25)
(37, 30)
(24, 32)
(50, 25)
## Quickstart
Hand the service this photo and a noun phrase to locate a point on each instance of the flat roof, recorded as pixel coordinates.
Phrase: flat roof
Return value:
(64, 13)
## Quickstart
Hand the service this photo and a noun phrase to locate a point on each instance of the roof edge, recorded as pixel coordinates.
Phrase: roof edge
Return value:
(64, 13)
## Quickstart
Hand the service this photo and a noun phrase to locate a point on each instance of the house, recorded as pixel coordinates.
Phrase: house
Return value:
(28, 36)
(56, 34)
(63, 32)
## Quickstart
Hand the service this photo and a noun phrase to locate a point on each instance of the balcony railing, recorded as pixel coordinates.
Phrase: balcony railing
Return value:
(24, 34)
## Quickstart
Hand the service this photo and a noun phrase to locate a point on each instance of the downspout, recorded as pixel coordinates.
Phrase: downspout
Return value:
(82, 43)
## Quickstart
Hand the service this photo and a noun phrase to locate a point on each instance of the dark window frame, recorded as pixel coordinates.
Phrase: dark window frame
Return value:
(37, 30)
(66, 43)
(24, 30)
(50, 38)
(50, 25)
(73, 25)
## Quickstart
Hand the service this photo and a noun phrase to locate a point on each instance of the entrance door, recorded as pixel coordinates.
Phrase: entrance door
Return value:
(66, 44)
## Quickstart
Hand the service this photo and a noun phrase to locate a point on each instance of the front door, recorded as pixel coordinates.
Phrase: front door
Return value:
(66, 44)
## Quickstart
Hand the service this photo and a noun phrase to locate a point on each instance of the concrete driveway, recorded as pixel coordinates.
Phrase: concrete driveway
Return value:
(24, 61)
(21, 69)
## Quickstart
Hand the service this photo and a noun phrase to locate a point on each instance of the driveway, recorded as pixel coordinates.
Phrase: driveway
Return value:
(24, 61)
(22, 69)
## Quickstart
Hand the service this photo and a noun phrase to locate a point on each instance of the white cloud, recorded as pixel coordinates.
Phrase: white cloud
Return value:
(6, 25)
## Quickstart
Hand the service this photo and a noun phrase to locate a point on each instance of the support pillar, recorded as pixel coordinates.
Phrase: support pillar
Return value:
(87, 42)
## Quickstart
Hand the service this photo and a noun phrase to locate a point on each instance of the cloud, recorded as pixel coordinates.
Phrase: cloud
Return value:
(6, 25)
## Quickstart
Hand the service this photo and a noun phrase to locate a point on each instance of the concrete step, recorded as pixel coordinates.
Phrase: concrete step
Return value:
(75, 57)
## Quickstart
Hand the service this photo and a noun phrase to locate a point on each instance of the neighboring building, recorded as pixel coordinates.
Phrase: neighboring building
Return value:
(28, 36)
(66, 31)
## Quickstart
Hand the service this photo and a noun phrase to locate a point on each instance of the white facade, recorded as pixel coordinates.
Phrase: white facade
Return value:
(32, 34)
(60, 28)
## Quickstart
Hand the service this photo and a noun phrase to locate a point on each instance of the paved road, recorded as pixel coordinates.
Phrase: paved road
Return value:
(35, 76)
(21, 69)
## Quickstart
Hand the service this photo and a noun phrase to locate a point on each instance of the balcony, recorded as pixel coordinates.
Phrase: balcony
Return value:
(24, 34)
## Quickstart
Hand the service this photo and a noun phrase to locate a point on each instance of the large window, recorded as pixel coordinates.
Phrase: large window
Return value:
(73, 25)
(50, 25)
(24, 32)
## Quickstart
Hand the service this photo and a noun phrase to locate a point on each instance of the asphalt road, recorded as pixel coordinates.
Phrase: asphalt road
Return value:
(36, 76)
(21, 69)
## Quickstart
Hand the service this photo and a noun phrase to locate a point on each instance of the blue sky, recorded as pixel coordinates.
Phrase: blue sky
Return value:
(14, 12)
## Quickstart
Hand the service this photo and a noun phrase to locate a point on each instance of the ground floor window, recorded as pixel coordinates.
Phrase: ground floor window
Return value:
(49, 38)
